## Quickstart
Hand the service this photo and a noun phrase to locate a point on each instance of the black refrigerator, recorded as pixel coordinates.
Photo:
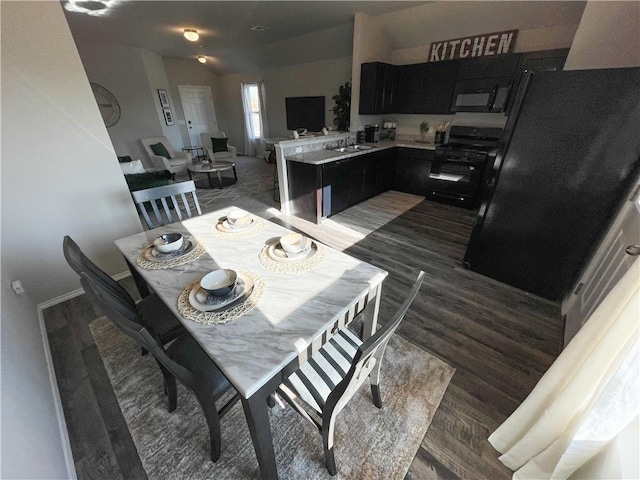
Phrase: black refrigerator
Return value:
(567, 160)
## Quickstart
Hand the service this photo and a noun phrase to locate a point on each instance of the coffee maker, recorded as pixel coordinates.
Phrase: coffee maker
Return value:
(371, 133)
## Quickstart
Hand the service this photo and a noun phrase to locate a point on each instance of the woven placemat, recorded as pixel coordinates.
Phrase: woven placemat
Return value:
(223, 316)
(257, 226)
(291, 267)
(197, 252)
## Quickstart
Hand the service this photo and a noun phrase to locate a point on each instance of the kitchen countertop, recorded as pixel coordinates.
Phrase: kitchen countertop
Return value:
(319, 157)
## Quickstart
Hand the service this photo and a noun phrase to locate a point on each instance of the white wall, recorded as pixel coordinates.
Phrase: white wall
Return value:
(32, 446)
(608, 37)
(309, 79)
(121, 70)
(60, 174)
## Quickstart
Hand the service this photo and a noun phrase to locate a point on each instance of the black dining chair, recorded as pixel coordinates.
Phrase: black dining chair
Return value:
(153, 313)
(183, 359)
(330, 378)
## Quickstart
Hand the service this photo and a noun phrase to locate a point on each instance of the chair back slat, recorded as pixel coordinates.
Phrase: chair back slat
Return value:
(160, 194)
(370, 353)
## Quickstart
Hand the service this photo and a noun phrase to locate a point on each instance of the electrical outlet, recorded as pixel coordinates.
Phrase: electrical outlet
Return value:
(17, 287)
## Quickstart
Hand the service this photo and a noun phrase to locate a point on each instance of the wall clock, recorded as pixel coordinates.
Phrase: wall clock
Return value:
(107, 103)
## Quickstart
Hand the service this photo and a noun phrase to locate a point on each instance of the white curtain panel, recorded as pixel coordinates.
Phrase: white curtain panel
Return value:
(589, 394)
(249, 147)
(250, 137)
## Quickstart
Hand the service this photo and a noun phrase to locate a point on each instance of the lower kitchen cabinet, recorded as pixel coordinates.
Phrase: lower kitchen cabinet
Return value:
(387, 172)
(335, 187)
(364, 173)
(412, 170)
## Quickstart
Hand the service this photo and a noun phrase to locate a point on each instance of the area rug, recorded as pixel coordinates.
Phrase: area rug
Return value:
(370, 442)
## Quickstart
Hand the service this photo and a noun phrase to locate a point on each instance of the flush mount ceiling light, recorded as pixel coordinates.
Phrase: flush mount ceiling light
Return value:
(202, 59)
(90, 7)
(259, 28)
(191, 34)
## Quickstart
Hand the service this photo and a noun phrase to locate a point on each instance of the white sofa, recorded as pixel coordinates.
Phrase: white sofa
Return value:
(229, 155)
(178, 162)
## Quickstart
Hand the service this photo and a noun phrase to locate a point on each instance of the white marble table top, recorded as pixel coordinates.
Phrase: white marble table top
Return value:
(293, 310)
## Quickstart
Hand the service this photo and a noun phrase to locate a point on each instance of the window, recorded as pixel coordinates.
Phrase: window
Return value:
(251, 94)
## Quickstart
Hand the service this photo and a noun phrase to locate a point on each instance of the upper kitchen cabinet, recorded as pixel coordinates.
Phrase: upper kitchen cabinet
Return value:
(543, 61)
(376, 88)
(488, 67)
(425, 87)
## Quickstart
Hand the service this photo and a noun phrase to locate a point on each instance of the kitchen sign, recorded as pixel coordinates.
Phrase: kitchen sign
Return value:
(476, 46)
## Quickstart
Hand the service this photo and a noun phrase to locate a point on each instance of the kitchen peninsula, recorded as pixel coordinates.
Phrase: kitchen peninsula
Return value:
(320, 176)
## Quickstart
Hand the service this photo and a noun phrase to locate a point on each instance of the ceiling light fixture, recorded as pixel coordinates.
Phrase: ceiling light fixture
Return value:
(202, 59)
(90, 7)
(259, 28)
(191, 34)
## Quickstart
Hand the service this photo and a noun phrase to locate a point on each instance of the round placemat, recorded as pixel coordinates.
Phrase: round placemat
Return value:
(197, 252)
(291, 267)
(257, 226)
(223, 316)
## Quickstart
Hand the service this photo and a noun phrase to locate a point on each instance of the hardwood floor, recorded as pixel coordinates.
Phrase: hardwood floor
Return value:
(499, 339)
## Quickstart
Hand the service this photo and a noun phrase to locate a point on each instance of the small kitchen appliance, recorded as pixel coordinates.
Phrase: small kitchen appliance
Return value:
(371, 133)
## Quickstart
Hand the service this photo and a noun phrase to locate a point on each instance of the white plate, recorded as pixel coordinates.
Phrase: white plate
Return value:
(226, 227)
(277, 253)
(154, 255)
(201, 300)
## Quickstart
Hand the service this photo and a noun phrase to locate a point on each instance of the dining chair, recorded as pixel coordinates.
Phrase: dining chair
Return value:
(158, 196)
(153, 314)
(330, 378)
(183, 359)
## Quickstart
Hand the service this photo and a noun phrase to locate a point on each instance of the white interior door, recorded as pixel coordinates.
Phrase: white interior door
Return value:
(616, 254)
(199, 112)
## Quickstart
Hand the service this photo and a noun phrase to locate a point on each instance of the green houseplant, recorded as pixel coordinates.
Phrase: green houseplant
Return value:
(342, 108)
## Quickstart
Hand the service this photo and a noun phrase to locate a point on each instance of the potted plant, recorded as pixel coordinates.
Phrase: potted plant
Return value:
(342, 108)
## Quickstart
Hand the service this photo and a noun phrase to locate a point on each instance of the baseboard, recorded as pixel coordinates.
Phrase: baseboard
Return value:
(76, 293)
(57, 402)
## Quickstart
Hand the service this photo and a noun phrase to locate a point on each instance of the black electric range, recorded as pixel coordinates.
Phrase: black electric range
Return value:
(461, 166)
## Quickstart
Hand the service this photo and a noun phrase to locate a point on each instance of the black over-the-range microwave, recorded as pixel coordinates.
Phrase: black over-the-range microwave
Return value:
(485, 95)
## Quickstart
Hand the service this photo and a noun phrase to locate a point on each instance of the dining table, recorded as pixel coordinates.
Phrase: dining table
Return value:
(297, 311)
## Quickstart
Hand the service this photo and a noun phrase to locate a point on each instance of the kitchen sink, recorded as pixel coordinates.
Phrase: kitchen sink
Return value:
(351, 148)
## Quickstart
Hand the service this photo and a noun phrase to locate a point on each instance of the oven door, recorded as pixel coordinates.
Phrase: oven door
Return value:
(455, 180)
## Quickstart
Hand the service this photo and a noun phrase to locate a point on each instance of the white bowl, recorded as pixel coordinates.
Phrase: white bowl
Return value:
(169, 242)
(219, 283)
(294, 242)
(238, 218)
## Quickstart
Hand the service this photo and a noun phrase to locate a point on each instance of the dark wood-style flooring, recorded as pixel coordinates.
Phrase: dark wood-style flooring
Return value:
(499, 339)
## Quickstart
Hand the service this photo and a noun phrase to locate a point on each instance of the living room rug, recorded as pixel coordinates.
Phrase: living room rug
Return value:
(370, 442)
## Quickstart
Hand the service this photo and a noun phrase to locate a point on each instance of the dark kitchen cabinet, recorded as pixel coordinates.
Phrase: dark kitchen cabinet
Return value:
(305, 192)
(376, 88)
(543, 61)
(412, 170)
(363, 177)
(387, 172)
(488, 67)
(425, 87)
(335, 187)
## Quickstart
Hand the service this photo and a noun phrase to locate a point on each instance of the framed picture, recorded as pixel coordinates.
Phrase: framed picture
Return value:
(164, 98)
(168, 116)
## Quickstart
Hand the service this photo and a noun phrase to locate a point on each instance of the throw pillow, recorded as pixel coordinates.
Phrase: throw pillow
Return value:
(160, 149)
(131, 168)
(219, 144)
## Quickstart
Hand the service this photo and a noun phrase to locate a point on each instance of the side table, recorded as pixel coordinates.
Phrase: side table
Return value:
(195, 152)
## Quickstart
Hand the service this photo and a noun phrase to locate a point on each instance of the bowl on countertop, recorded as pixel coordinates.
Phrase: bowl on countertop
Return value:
(219, 283)
(169, 242)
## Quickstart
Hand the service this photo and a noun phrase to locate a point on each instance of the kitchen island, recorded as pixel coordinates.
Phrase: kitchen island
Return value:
(324, 180)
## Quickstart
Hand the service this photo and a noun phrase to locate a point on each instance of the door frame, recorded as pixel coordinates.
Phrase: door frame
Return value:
(182, 89)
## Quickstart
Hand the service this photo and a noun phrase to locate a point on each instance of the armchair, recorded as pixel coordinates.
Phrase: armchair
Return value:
(175, 162)
(229, 154)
